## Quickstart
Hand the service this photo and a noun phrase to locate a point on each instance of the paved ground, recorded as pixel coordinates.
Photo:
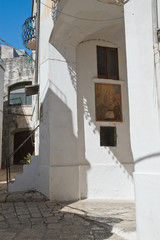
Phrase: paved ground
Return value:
(30, 216)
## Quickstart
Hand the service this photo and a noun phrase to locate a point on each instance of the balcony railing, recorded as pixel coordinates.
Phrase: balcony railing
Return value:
(55, 10)
(28, 33)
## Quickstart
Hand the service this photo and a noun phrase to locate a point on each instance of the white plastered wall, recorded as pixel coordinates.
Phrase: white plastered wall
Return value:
(72, 163)
(104, 172)
(144, 120)
(58, 172)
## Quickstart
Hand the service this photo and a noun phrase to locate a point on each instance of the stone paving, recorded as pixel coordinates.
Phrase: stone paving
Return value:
(31, 216)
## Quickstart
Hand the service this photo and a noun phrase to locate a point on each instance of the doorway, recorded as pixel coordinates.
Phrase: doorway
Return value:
(28, 147)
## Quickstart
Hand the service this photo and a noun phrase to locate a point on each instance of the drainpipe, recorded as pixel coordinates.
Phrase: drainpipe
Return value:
(158, 12)
(37, 52)
(37, 41)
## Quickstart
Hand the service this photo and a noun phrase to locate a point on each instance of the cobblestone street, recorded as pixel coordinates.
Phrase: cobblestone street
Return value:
(30, 216)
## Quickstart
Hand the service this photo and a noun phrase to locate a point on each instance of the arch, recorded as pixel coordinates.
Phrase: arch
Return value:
(28, 147)
(20, 130)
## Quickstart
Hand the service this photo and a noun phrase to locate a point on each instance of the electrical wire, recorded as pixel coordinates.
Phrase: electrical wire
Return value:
(84, 19)
(8, 44)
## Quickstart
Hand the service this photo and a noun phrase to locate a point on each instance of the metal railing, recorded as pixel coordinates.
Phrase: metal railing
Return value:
(8, 169)
(122, 2)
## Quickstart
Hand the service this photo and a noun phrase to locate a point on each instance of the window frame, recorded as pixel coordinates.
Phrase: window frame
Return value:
(15, 86)
(106, 76)
(108, 136)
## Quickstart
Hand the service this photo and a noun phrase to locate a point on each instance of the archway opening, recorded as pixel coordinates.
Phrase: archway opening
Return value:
(28, 146)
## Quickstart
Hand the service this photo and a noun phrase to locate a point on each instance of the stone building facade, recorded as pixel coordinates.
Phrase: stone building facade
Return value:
(17, 106)
(1, 105)
(90, 52)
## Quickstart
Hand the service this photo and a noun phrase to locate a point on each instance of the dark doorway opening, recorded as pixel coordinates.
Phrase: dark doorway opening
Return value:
(28, 147)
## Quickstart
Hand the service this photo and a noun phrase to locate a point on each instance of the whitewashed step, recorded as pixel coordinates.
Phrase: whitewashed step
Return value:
(28, 179)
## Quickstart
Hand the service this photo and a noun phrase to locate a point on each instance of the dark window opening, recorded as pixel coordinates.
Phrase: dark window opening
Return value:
(107, 62)
(108, 136)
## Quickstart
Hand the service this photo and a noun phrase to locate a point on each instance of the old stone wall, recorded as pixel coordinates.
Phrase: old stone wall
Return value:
(7, 52)
(16, 118)
(17, 69)
(1, 105)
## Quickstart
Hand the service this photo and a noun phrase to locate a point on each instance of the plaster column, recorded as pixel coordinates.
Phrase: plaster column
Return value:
(144, 118)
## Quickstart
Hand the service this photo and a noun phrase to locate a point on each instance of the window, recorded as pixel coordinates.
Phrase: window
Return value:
(107, 62)
(17, 94)
(108, 136)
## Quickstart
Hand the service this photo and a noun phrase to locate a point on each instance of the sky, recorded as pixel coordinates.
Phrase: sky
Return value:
(13, 14)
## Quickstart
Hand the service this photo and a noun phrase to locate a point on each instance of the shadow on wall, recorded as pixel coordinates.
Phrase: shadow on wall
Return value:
(15, 119)
(88, 113)
(73, 76)
(92, 123)
(95, 130)
(60, 144)
(61, 117)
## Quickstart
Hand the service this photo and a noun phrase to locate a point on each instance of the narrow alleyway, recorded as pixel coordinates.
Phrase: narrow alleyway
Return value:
(31, 216)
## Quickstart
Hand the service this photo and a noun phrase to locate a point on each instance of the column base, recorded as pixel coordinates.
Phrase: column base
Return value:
(147, 194)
